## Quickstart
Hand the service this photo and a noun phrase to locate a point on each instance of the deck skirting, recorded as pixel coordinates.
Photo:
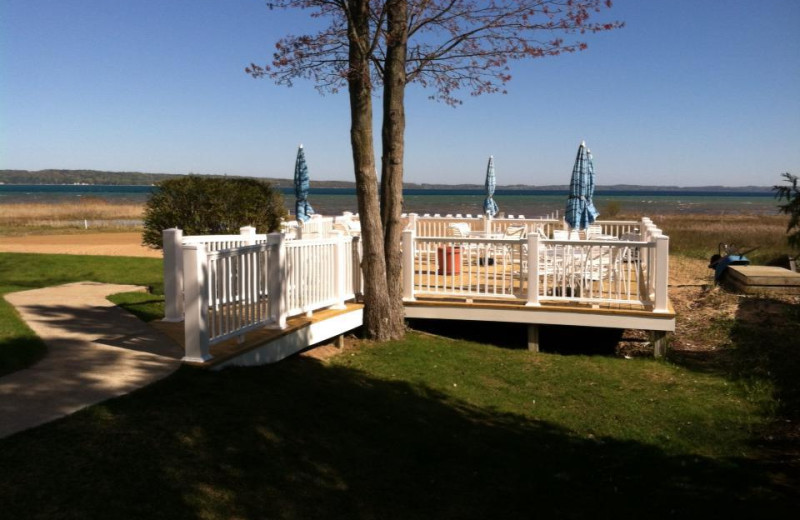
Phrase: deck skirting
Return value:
(297, 340)
(543, 315)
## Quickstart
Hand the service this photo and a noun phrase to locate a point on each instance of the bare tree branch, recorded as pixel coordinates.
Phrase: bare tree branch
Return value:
(453, 45)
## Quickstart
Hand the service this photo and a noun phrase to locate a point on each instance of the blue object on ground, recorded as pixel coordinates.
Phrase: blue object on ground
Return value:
(724, 262)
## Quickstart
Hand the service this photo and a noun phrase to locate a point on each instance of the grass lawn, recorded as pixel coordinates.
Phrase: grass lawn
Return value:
(423, 428)
(19, 346)
(428, 427)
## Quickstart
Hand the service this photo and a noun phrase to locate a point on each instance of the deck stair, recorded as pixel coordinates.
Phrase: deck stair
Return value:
(268, 345)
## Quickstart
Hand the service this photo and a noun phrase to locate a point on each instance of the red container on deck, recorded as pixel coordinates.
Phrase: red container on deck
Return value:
(449, 259)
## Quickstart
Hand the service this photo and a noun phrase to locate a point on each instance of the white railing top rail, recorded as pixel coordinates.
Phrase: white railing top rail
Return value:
(214, 239)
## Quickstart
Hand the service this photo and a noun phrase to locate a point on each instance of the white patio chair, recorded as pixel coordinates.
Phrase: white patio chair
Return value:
(594, 230)
(515, 233)
(459, 229)
(463, 230)
(563, 234)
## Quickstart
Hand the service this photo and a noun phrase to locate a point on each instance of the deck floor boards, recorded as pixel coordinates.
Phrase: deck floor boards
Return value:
(231, 348)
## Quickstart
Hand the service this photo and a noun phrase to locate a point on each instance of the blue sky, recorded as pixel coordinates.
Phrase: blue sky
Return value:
(689, 93)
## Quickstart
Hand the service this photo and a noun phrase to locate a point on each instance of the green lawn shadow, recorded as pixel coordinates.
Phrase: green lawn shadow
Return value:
(305, 439)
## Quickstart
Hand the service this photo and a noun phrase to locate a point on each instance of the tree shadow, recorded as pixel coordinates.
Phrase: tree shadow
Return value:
(555, 339)
(763, 355)
(764, 346)
(19, 352)
(93, 354)
(302, 439)
(766, 340)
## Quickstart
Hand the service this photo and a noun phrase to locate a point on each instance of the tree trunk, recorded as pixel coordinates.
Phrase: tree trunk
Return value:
(377, 311)
(392, 134)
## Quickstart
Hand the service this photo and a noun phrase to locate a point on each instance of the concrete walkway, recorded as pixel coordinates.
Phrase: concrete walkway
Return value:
(96, 351)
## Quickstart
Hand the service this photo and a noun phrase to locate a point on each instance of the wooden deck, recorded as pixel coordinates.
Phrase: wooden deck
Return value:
(297, 336)
(616, 279)
(267, 345)
(756, 279)
(622, 316)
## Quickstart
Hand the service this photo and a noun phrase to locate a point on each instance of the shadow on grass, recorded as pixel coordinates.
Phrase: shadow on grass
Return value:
(766, 339)
(302, 439)
(554, 339)
(20, 352)
(764, 357)
(764, 347)
(144, 306)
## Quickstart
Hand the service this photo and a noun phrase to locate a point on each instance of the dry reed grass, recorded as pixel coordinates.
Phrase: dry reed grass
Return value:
(65, 214)
(699, 236)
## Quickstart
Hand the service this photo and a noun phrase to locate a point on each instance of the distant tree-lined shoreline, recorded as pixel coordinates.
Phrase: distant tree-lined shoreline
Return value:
(107, 178)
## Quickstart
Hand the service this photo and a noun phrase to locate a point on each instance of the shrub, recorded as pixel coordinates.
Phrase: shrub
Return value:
(211, 206)
(792, 208)
(611, 209)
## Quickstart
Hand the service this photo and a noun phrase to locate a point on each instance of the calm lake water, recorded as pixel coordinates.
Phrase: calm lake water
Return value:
(530, 203)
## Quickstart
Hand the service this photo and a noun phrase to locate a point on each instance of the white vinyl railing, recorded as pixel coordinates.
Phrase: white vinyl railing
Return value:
(317, 273)
(439, 226)
(246, 237)
(264, 279)
(586, 271)
(237, 287)
(468, 267)
(591, 271)
(173, 242)
(316, 227)
(229, 293)
(619, 228)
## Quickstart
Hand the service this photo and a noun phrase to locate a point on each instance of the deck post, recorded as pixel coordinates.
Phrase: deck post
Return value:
(248, 235)
(659, 340)
(412, 221)
(172, 240)
(339, 265)
(195, 269)
(276, 280)
(358, 274)
(408, 264)
(533, 338)
(662, 274)
(533, 271)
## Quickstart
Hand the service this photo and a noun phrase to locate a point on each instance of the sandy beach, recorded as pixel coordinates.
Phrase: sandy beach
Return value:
(105, 244)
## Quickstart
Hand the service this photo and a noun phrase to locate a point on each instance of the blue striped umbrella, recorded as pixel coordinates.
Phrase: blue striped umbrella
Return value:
(489, 205)
(580, 209)
(302, 208)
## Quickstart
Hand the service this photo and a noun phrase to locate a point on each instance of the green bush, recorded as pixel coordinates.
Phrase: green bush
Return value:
(211, 206)
(791, 194)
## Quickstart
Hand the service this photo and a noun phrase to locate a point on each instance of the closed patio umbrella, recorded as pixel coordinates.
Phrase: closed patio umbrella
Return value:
(303, 209)
(580, 212)
(489, 205)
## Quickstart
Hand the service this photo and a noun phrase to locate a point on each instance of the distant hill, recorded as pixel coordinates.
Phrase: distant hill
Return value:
(146, 179)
